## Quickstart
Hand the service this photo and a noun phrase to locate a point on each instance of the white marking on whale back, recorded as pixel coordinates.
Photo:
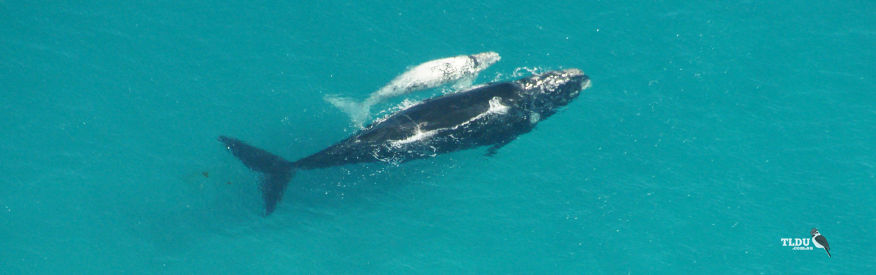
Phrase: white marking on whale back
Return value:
(496, 107)
(418, 136)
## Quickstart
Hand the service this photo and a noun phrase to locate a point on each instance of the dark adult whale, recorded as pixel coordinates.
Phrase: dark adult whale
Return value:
(493, 114)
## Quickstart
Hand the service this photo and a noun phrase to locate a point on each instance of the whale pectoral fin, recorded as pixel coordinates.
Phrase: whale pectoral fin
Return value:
(463, 83)
(495, 148)
(491, 151)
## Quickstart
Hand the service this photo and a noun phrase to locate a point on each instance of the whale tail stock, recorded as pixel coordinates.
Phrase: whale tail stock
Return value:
(358, 111)
(277, 172)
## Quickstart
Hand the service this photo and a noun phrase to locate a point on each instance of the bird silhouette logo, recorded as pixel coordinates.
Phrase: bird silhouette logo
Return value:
(820, 241)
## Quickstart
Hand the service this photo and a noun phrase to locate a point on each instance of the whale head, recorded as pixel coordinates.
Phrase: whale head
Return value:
(485, 59)
(547, 92)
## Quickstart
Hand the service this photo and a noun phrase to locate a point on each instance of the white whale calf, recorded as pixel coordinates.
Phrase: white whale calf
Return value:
(461, 69)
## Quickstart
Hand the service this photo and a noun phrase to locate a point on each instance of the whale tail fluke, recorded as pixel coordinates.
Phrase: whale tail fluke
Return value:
(358, 111)
(277, 172)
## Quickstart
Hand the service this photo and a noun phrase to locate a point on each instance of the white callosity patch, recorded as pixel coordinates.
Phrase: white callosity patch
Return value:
(551, 81)
(548, 83)
(586, 85)
(534, 117)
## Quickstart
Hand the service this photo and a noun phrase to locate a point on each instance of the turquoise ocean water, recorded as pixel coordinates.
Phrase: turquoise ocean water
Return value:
(712, 131)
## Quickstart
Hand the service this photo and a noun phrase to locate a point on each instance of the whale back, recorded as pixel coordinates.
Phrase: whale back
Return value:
(442, 112)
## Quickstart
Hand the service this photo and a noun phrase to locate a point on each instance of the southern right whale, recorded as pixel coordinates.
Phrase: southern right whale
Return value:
(462, 69)
(493, 114)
